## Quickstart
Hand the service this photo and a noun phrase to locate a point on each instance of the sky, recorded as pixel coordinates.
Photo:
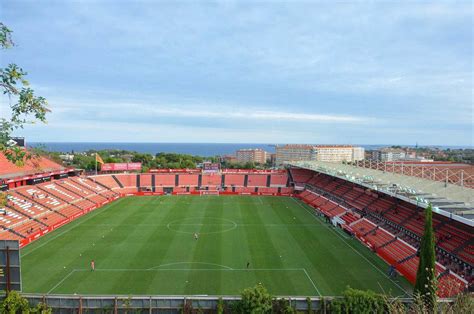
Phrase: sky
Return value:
(322, 72)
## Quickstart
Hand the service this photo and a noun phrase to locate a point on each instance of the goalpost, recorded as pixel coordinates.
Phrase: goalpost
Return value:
(215, 192)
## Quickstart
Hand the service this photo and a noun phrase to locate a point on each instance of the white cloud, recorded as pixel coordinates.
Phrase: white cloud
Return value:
(258, 115)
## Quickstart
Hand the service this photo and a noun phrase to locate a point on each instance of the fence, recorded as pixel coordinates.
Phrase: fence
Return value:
(157, 304)
(462, 175)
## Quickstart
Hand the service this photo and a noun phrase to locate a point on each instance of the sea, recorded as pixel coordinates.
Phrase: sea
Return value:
(197, 149)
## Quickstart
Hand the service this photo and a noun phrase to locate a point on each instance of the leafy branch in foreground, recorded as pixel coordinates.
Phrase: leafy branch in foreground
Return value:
(25, 106)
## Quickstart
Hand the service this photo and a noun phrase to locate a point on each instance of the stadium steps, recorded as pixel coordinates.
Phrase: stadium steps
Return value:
(26, 215)
(105, 186)
(14, 232)
(343, 195)
(118, 181)
(464, 245)
(337, 186)
(83, 197)
(440, 225)
(410, 217)
(90, 197)
(92, 190)
(370, 231)
(60, 198)
(391, 208)
(409, 257)
(443, 274)
(387, 243)
(367, 207)
(44, 205)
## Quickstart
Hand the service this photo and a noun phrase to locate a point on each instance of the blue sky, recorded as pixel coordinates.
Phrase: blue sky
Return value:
(362, 72)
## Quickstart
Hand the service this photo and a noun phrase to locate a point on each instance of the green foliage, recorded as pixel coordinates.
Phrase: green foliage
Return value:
(425, 285)
(41, 308)
(283, 306)
(247, 165)
(322, 305)
(220, 306)
(15, 303)
(177, 161)
(3, 199)
(463, 303)
(358, 301)
(5, 37)
(309, 304)
(256, 300)
(127, 304)
(26, 108)
(84, 161)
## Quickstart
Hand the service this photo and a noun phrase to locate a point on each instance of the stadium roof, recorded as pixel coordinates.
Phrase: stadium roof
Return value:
(447, 199)
(35, 165)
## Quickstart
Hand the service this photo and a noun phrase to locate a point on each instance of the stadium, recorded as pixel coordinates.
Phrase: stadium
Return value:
(171, 235)
(260, 157)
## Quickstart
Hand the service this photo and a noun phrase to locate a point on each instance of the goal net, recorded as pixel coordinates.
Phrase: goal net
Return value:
(208, 193)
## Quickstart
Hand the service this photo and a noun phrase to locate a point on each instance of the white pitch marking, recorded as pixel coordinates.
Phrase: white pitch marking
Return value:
(312, 282)
(60, 282)
(184, 263)
(88, 217)
(378, 269)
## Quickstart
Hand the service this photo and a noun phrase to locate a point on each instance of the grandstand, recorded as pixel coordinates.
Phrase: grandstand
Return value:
(389, 224)
(34, 170)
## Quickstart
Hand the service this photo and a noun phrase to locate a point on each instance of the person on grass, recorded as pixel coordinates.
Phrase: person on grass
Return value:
(391, 271)
(92, 265)
(196, 236)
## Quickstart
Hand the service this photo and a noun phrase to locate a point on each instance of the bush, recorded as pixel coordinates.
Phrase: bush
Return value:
(309, 304)
(358, 301)
(256, 300)
(41, 308)
(283, 306)
(220, 306)
(14, 303)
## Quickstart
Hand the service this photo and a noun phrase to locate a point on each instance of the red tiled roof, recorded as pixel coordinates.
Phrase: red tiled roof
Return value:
(32, 166)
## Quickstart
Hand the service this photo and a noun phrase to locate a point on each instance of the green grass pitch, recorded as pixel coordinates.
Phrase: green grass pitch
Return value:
(145, 245)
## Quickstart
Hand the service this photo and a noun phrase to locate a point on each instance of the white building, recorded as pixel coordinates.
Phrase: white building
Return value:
(328, 153)
(389, 154)
(256, 155)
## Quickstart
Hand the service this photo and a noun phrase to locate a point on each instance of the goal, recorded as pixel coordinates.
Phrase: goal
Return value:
(209, 193)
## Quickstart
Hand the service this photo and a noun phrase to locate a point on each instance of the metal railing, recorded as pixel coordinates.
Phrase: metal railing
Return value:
(160, 304)
(460, 177)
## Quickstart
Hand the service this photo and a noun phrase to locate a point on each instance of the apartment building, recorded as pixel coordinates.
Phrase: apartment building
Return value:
(389, 155)
(251, 155)
(327, 153)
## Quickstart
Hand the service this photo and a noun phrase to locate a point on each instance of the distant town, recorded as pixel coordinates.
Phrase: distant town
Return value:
(257, 158)
(348, 153)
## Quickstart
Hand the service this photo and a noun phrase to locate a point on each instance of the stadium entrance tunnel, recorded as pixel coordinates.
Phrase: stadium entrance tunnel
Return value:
(202, 225)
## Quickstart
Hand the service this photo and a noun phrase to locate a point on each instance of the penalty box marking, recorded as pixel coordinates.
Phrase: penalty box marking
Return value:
(183, 269)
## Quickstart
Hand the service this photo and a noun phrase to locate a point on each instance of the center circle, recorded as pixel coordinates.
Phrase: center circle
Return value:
(201, 225)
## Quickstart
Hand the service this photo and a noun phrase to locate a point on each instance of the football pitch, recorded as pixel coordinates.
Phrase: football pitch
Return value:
(146, 246)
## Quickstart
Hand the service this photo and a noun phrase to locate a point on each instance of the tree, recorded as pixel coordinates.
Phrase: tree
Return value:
(359, 301)
(25, 106)
(425, 285)
(256, 300)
